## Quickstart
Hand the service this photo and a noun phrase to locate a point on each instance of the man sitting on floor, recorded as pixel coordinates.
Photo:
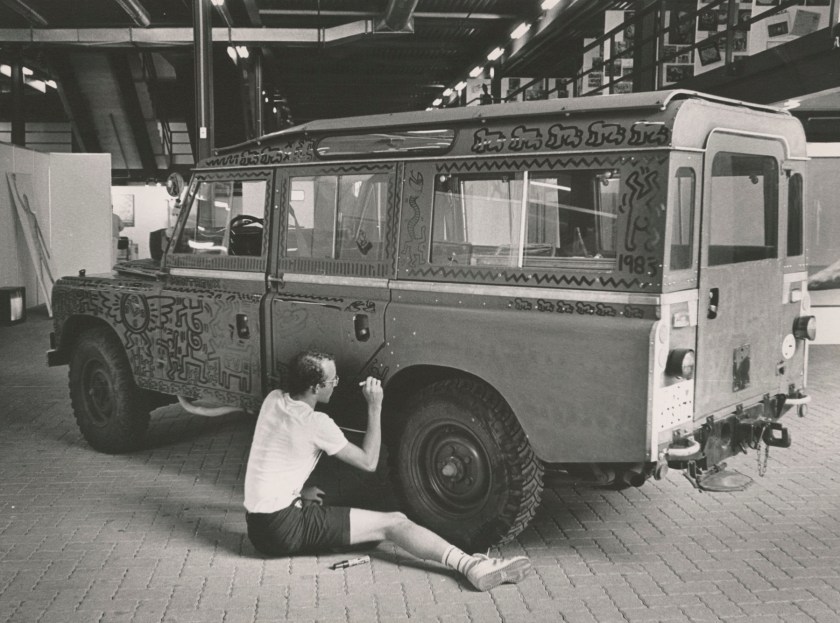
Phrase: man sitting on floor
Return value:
(285, 518)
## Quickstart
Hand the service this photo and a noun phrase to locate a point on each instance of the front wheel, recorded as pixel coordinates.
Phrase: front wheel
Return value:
(111, 411)
(464, 466)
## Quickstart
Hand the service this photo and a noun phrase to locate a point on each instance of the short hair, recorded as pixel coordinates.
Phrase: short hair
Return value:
(306, 371)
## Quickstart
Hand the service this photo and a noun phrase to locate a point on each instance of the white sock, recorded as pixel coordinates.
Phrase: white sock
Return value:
(456, 559)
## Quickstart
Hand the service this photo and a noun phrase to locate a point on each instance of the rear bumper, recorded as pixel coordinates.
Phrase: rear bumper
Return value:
(743, 429)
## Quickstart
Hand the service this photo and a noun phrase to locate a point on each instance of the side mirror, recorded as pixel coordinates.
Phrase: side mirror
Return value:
(175, 184)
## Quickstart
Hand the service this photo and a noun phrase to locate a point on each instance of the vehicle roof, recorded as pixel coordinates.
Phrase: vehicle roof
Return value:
(648, 100)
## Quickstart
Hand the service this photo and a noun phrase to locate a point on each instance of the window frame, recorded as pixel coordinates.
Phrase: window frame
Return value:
(248, 263)
(358, 267)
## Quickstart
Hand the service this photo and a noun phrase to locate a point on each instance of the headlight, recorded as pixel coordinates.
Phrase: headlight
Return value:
(805, 328)
(680, 363)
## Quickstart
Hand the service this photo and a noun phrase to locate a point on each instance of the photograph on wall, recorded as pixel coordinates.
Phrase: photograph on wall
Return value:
(709, 52)
(594, 79)
(739, 41)
(818, 2)
(805, 22)
(778, 29)
(707, 21)
(744, 17)
(680, 28)
(767, 2)
(124, 208)
(678, 73)
(623, 86)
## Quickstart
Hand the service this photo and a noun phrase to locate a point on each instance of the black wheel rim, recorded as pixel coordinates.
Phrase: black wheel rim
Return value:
(99, 392)
(452, 468)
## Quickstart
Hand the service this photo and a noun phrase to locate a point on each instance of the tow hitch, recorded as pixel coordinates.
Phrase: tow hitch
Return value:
(753, 431)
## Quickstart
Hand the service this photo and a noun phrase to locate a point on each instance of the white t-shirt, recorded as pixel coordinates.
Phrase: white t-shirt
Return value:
(288, 441)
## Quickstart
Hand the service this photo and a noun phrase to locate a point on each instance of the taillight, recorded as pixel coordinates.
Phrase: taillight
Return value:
(680, 363)
(805, 328)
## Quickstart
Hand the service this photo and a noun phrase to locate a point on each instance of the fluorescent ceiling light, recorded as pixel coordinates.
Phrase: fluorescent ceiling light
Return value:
(437, 102)
(520, 30)
(27, 71)
(243, 51)
(446, 93)
(51, 83)
(232, 53)
(495, 54)
(6, 70)
(547, 5)
(476, 72)
(218, 2)
(460, 86)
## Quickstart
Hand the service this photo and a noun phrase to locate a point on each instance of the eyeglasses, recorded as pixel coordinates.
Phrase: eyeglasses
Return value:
(333, 381)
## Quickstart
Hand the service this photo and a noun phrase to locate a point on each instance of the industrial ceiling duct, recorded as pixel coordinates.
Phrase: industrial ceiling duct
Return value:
(398, 16)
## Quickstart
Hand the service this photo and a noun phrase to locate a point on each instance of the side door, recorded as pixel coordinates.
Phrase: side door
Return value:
(330, 292)
(741, 277)
(214, 281)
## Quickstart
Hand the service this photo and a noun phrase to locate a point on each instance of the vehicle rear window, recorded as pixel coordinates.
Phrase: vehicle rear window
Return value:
(744, 208)
(524, 219)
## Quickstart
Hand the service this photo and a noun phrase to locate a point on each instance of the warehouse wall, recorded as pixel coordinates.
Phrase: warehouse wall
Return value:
(69, 195)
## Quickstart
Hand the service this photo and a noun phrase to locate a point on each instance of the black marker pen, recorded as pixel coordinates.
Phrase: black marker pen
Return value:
(350, 563)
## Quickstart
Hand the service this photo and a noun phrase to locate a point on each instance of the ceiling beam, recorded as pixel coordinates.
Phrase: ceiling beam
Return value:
(117, 37)
(136, 12)
(27, 12)
(461, 16)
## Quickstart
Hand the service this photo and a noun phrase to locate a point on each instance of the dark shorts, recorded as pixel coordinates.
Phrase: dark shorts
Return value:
(306, 530)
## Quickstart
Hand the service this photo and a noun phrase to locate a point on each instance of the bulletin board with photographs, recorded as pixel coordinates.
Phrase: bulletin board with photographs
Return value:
(777, 28)
(617, 67)
(592, 68)
(711, 34)
(677, 54)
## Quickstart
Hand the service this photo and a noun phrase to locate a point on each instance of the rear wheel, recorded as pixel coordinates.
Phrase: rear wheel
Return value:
(111, 411)
(464, 466)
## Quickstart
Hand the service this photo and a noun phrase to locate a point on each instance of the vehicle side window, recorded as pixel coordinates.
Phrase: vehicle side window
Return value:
(340, 217)
(795, 244)
(225, 218)
(477, 220)
(571, 214)
(744, 208)
(682, 219)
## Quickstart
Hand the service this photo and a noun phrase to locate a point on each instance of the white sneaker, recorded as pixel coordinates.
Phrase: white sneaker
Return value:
(486, 573)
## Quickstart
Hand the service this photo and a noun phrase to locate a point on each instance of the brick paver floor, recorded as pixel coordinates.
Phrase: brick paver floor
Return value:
(159, 534)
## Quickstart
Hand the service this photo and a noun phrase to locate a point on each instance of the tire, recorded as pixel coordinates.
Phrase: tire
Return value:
(111, 411)
(464, 467)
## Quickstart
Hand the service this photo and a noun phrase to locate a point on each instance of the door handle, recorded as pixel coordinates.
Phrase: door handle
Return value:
(714, 302)
(242, 330)
(362, 326)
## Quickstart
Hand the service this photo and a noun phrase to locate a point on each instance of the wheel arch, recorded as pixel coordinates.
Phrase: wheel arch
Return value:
(412, 379)
(72, 329)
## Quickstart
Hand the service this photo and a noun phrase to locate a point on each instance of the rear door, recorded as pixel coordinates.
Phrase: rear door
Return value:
(741, 281)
